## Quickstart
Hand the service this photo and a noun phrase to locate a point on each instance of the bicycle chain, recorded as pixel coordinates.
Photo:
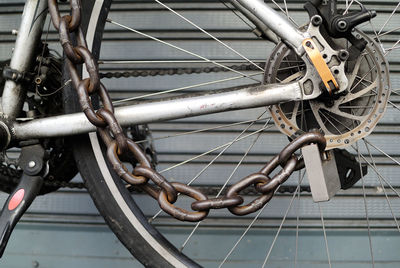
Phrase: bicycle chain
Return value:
(118, 145)
(180, 71)
(209, 191)
(12, 176)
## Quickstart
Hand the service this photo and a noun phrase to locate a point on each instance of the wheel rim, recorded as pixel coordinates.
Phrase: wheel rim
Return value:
(369, 147)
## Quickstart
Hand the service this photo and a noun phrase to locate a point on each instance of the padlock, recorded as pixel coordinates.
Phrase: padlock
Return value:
(322, 173)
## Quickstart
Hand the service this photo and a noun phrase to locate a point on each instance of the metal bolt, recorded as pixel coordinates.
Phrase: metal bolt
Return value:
(342, 24)
(35, 264)
(343, 55)
(31, 164)
(316, 20)
(38, 80)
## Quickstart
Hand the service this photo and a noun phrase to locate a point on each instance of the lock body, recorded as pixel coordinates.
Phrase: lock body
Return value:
(322, 173)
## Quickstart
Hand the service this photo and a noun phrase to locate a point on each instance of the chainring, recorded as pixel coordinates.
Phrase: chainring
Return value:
(349, 116)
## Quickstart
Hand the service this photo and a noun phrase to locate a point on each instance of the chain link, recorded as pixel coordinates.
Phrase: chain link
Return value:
(180, 71)
(119, 146)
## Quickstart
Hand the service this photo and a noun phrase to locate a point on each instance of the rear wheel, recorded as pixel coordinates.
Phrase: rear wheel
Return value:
(134, 217)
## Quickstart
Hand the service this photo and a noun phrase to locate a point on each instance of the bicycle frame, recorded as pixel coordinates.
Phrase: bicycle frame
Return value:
(148, 111)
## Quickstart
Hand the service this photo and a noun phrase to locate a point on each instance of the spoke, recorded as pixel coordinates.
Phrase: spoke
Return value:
(355, 106)
(217, 148)
(227, 145)
(210, 35)
(170, 61)
(180, 49)
(362, 78)
(383, 187)
(282, 222)
(329, 121)
(378, 173)
(292, 61)
(295, 111)
(392, 48)
(291, 67)
(365, 80)
(297, 219)
(245, 232)
(355, 70)
(380, 150)
(226, 182)
(391, 15)
(287, 14)
(303, 121)
(243, 235)
(340, 122)
(237, 14)
(396, 91)
(286, 8)
(317, 116)
(388, 32)
(223, 151)
(325, 238)
(377, 36)
(365, 207)
(183, 88)
(348, 7)
(202, 130)
(394, 105)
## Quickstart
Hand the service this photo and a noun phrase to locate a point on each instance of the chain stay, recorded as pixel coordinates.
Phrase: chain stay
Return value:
(118, 145)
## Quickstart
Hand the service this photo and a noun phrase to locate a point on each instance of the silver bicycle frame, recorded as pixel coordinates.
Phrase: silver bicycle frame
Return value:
(149, 111)
(29, 34)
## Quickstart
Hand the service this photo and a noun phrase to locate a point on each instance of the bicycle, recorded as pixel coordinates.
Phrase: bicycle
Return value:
(335, 68)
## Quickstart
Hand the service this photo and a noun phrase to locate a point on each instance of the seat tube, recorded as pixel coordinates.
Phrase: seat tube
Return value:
(278, 24)
(23, 57)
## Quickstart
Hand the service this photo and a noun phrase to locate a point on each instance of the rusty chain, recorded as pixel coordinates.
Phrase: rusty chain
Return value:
(118, 145)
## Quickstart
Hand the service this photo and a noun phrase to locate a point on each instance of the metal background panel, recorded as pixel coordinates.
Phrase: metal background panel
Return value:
(58, 223)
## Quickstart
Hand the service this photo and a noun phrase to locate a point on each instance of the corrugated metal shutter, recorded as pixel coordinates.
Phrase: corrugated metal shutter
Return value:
(151, 18)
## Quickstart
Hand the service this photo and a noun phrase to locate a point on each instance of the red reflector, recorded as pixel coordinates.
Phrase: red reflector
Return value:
(16, 199)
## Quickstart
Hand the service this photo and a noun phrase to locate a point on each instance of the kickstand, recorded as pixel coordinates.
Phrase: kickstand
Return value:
(33, 165)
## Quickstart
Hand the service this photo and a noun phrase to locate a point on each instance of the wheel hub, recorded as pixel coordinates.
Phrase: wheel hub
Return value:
(345, 117)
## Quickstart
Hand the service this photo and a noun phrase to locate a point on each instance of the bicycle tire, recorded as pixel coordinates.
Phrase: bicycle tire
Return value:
(144, 241)
(106, 189)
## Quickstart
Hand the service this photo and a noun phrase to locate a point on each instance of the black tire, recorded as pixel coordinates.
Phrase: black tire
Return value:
(110, 196)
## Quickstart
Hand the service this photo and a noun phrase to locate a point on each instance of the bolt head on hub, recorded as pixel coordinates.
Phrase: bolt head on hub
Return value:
(342, 25)
(31, 164)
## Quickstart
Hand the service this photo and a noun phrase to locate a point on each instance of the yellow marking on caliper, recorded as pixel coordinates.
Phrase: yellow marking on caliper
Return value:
(320, 64)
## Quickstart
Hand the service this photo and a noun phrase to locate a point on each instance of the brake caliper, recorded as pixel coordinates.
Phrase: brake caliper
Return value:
(340, 23)
(327, 22)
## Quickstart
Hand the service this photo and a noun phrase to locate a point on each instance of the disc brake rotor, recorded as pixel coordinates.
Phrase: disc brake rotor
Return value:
(350, 115)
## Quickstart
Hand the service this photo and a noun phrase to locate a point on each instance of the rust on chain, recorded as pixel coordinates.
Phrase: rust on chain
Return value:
(217, 203)
(303, 140)
(120, 147)
(257, 203)
(121, 169)
(159, 180)
(180, 213)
